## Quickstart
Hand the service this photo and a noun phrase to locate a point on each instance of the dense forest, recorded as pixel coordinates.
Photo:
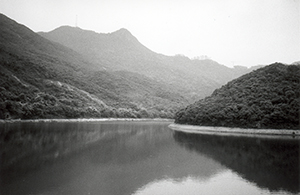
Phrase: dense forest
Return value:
(265, 98)
(37, 98)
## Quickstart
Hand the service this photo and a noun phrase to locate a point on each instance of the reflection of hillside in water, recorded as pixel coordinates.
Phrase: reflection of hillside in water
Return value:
(125, 157)
(270, 163)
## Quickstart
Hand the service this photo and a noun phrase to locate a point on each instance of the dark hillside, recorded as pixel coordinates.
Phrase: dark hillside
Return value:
(43, 79)
(265, 98)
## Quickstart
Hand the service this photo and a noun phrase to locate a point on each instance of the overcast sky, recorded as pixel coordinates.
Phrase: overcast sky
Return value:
(231, 32)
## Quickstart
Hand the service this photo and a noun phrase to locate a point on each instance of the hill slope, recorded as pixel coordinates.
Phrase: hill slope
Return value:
(43, 79)
(265, 98)
(120, 50)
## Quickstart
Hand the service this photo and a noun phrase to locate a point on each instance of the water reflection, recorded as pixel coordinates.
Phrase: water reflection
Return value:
(120, 158)
(226, 182)
(270, 163)
(125, 157)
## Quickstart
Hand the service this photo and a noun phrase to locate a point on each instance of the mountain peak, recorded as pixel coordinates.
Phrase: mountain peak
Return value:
(123, 30)
(123, 33)
(69, 30)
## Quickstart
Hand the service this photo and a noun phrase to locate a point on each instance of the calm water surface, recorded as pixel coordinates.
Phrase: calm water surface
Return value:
(142, 158)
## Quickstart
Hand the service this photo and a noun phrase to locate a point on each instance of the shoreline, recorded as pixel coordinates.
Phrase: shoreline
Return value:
(84, 120)
(232, 131)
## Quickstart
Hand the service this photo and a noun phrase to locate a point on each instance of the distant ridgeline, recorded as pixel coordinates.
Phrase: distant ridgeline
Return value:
(265, 98)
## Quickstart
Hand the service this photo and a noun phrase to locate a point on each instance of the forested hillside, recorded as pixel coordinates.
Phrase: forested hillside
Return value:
(265, 98)
(43, 79)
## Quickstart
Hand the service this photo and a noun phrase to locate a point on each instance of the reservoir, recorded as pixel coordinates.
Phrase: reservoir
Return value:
(141, 158)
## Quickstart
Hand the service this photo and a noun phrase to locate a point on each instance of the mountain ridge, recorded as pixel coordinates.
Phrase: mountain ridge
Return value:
(194, 78)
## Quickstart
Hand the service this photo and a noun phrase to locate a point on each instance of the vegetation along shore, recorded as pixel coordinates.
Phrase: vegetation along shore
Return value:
(267, 98)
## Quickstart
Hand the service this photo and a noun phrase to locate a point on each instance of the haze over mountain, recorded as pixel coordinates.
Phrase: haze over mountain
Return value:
(120, 50)
(43, 79)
